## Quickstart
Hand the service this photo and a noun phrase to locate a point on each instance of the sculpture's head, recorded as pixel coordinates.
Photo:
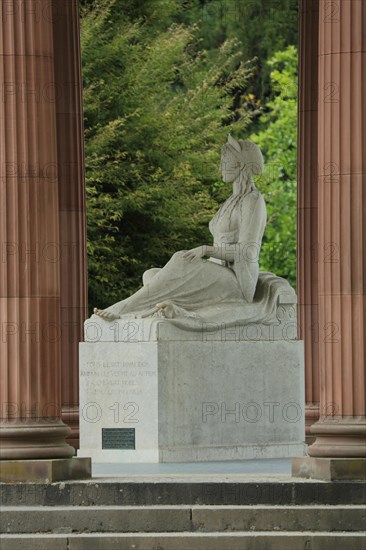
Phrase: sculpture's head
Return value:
(240, 157)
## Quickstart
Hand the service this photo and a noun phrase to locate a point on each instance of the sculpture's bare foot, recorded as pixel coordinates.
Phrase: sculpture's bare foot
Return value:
(106, 315)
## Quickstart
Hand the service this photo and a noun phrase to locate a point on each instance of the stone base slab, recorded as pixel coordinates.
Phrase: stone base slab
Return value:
(45, 470)
(329, 469)
(227, 452)
(153, 330)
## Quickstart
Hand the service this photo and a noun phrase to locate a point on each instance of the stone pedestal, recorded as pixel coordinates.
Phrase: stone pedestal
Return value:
(163, 397)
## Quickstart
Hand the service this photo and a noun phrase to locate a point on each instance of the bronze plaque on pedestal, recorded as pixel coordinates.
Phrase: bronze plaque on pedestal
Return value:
(118, 438)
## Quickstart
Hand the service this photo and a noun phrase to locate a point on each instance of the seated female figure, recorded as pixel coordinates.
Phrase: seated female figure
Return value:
(211, 280)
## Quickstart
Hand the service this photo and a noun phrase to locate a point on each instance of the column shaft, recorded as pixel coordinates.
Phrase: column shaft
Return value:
(69, 124)
(30, 396)
(342, 234)
(307, 204)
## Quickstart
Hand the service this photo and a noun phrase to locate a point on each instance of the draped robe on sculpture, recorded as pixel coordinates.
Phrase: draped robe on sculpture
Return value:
(211, 290)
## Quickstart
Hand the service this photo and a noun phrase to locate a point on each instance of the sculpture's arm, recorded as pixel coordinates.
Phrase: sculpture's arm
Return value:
(252, 224)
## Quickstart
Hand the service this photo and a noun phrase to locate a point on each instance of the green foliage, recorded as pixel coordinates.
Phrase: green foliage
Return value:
(157, 109)
(277, 138)
(263, 27)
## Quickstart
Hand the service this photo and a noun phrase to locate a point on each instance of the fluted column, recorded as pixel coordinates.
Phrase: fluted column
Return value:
(341, 429)
(69, 123)
(30, 414)
(307, 205)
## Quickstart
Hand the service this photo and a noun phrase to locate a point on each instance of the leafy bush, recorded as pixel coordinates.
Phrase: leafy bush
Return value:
(277, 138)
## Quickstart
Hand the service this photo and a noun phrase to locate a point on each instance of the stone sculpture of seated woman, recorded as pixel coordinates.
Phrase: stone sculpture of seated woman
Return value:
(218, 282)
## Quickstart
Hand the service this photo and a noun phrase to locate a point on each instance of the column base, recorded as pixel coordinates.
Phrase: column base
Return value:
(70, 417)
(343, 437)
(34, 439)
(44, 471)
(329, 469)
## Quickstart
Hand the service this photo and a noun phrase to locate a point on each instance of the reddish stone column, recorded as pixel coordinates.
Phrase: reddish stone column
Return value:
(30, 353)
(70, 153)
(307, 204)
(341, 429)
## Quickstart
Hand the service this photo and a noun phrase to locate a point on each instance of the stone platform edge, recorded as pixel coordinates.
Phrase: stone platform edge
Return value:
(45, 470)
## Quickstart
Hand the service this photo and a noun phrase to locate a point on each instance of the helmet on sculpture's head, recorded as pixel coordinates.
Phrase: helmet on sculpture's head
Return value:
(246, 153)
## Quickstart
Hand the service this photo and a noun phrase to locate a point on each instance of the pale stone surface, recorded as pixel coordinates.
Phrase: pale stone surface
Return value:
(142, 330)
(217, 400)
(228, 400)
(119, 389)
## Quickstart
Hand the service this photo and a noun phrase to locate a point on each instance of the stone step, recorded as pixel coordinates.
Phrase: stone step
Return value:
(182, 491)
(69, 519)
(239, 540)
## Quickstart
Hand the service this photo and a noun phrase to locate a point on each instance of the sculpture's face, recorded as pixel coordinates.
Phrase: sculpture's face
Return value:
(230, 166)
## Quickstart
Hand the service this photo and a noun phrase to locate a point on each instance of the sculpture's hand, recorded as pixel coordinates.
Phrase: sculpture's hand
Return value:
(196, 253)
